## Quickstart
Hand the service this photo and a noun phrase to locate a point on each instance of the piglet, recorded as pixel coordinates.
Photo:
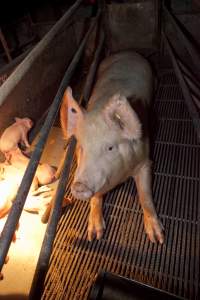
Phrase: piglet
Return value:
(45, 173)
(15, 134)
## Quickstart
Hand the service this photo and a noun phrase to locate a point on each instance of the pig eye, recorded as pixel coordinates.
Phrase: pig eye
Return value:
(73, 110)
(110, 148)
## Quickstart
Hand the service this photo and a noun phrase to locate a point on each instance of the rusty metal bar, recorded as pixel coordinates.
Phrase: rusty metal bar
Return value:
(23, 68)
(186, 93)
(186, 42)
(16, 210)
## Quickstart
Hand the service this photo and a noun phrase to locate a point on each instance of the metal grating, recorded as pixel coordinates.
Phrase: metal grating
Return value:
(124, 249)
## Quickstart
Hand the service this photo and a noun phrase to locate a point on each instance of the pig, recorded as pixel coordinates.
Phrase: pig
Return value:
(38, 197)
(45, 174)
(112, 138)
(15, 134)
(11, 177)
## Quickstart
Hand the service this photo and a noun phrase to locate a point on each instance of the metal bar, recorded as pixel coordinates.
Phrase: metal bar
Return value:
(43, 261)
(38, 49)
(86, 95)
(15, 212)
(186, 93)
(7, 68)
(93, 68)
(5, 46)
(196, 101)
(47, 245)
(192, 82)
(186, 42)
(188, 73)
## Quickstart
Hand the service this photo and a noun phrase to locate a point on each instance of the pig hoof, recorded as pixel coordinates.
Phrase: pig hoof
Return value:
(154, 229)
(95, 228)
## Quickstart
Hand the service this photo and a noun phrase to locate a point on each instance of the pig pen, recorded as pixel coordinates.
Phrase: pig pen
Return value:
(68, 264)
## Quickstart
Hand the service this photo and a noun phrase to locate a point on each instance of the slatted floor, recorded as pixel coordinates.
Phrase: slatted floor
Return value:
(125, 249)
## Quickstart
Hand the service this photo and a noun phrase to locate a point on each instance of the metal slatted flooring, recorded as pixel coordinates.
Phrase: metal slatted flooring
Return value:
(125, 249)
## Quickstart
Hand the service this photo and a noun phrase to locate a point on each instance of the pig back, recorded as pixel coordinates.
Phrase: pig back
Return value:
(127, 73)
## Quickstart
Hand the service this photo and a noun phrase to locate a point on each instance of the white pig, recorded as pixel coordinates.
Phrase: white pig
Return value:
(45, 173)
(112, 138)
(15, 134)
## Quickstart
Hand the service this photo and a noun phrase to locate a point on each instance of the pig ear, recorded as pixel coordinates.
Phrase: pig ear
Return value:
(71, 113)
(17, 119)
(120, 114)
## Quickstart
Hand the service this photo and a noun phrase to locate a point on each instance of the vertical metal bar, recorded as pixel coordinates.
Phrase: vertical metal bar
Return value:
(16, 210)
(186, 93)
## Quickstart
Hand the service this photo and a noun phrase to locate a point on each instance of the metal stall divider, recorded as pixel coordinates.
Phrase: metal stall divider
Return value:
(183, 39)
(16, 210)
(43, 261)
(186, 92)
(189, 85)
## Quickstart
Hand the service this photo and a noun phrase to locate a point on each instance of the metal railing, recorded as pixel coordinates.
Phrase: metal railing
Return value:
(17, 207)
(188, 83)
(46, 249)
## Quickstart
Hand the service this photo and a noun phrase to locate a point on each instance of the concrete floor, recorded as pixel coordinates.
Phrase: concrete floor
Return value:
(23, 254)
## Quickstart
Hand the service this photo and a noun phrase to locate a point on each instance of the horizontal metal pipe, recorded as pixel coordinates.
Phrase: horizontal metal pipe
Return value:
(24, 67)
(43, 261)
(186, 93)
(16, 210)
(186, 42)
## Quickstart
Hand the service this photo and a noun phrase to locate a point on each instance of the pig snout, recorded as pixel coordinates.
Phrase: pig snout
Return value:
(81, 191)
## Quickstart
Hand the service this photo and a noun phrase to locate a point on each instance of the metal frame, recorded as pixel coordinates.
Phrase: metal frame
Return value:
(183, 39)
(17, 207)
(45, 253)
(186, 92)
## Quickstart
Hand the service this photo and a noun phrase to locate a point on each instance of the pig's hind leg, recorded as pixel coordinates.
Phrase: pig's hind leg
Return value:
(152, 224)
(96, 224)
(25, 141)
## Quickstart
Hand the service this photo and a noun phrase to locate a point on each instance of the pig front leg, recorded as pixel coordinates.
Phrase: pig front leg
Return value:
(96, 224)
(152, 224)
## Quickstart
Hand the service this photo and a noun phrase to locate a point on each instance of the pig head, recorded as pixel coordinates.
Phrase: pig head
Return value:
(111, 146)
